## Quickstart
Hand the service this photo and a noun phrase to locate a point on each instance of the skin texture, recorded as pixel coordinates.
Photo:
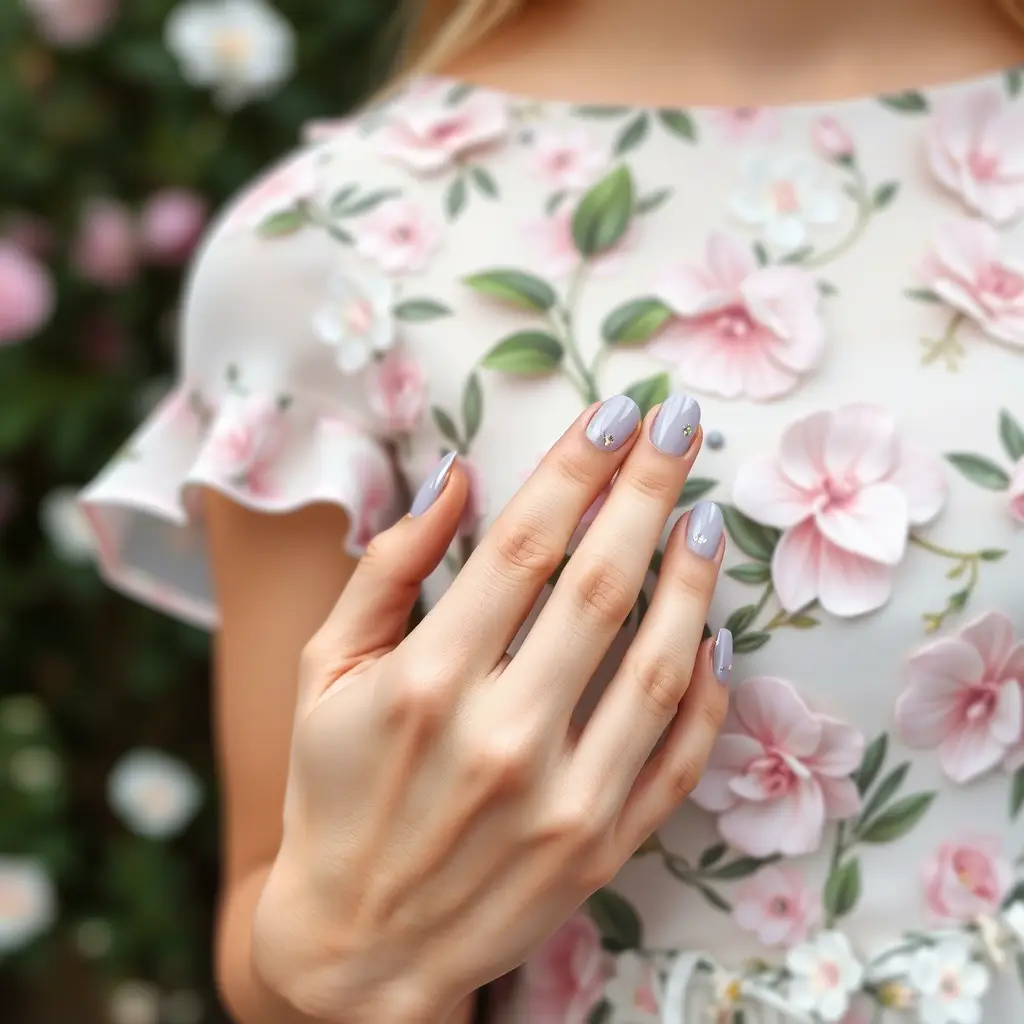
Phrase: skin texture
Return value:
(279, 577)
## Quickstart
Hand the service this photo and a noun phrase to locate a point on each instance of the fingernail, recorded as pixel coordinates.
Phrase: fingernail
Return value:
(431, 488)
(676, 424)
(721, 656)
(613, 424)
(704, 530)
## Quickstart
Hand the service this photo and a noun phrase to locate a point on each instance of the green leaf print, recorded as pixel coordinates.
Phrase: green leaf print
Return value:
(842, 890)
(885, 194)
(364, 204)
(980, 470)
(516, 287)
(632, 135)
(751, 538)
(898, 820)
(446, 426)
(603, 215)
(1014, 81)
(458, 92)
(1017, 794)
(922, 295)
(472, 407)
(616, 920)
(889, 787)
(650, 392)
(283, 223)
(717, 901)
(636, 320)
(601, 1014)
(750, 642)
(650, 202)
(341, 198)
(742, 867)
(455, 199)
(1012, 435)
(910, 102)
(485, 183)
(712, 855)
(740, 619)
(750, 572)
(420, 310)
(525, 352)
(871, 763)
(600, 112)
(694, 489)
(679, 123)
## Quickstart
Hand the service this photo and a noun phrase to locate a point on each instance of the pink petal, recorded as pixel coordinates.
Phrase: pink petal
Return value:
(764, 377)
(787, 300)
(840, 751)
(796, 566)
(842, 798)
(802, 450)
(1004, 134)
(921, 477)
(729, 260)
(992, 637)
(690, 292)
(925, 717)
(850, 585)
(765, 494)
(1008, 718)
(773, 712)
(872, 523)
(1013, 667)
(966, 247)
(861, 445)
(730, 755)
(791, 825)
(959, 119)
(970, 750)
(946, 666)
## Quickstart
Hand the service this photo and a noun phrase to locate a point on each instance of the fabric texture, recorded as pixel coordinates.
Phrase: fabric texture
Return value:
(842, 288)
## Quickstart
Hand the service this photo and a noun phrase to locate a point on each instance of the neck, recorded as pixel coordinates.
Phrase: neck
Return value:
(739, 51)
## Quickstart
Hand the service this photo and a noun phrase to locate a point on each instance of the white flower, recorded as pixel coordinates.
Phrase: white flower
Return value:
(356, 320)
(1013, 918)
(633, 991)
(135, 1002)
(949, 981)
(825, 974)
(154, 794)
(783, 194)
(35, 769)
(66, 526)
(242, 49)
(28, 902)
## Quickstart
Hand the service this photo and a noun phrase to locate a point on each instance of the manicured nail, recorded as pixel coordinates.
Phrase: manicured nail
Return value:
(721, 656)
(613, 424)
(676, 424)
(704, 530)
(432, 487)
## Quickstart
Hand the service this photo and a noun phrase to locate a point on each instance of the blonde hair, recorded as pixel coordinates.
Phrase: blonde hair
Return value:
(436, 31)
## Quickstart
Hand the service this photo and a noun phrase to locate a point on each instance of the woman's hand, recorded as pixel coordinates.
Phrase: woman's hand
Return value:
(443, 814)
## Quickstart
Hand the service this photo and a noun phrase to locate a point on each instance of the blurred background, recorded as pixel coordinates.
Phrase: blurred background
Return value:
(124, 125)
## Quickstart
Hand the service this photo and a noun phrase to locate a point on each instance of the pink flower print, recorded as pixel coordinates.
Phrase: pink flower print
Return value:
(376, 494)
(742, 330)
(966, 878)
(1017, 491)
(976, 149)
(247, 436)
(397, 391)
(970, 269)
(778, 771)
(831, 139)
(282, 188)
(964, 697)
(170, 225)
(569, 161)
(27, 294)
(557, 254)
(329, 130)
(398, 236)
(746, 124)
(632, 990)
(777, 905)
(845, 488)
(564, 980)
(356, 319)
(106, 249)
(427, 134)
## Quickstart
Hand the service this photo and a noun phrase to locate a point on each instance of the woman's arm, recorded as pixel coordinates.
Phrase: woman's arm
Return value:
(276, 579)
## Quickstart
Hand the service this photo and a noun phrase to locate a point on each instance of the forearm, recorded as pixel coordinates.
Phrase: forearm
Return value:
(248, 998)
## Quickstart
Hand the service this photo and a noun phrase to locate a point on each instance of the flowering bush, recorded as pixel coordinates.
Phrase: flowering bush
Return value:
(125, 124)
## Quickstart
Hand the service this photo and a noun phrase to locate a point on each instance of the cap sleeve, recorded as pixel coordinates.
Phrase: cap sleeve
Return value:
(283, 332)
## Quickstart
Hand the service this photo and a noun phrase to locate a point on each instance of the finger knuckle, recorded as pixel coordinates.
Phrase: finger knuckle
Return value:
(502, 762)
(711, 713)
(597, 872)
(423, 697)
(684, 774)
(528, 548)
(661, 684)
(575, 823)
(572, 468)
(604, 595)
(653, 483)
(381, 550)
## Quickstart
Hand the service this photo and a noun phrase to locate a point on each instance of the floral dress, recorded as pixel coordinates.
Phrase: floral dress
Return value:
(842, 288)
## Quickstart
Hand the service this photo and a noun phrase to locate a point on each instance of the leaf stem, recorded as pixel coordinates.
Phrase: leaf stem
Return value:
(864, 210)
(966, 562)
(947, 347)
(587, 384)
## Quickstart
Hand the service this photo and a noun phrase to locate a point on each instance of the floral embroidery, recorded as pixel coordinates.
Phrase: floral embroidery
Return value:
(965, 697)
(846, 489)
(777, 905)
(824, 974)
(397, 391)
(778, 771)
(569, 161)
(357, 320)
(832, 140)
(985, 472)
(247, 435)
(948, 982)
(277, 193)
(637, 129)
(975, 147)
(967, 878)
(632, 991)
(741, 329)
(398, 236)
(746, 124)
(557, 254)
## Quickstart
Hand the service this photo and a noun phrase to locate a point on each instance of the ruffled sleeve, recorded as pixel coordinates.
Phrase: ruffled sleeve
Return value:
(290, 392)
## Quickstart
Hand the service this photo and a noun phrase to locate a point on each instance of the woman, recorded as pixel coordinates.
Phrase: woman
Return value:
(596, 211)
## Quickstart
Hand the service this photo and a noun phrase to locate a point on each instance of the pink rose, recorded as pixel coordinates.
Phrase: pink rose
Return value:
(976, 148)
(845, 488)
(564, 980)
(105, 251)
(427, 133)
(247, 434)
(777, 905)
(170, 225)
(1017, 491)
(746, 124)
(26, 294)
(71, 23)
(398, 236)
(779, 771)
(558, 256)
(397, 391)
(742, 330)
(970, 269)
(569, 160)
(965, 878)
(964, 697)
(831, 139)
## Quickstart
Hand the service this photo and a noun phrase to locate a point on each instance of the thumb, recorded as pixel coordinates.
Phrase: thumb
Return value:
(373, 610)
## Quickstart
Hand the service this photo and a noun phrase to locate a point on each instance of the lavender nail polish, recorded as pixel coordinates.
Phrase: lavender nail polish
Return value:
(432, 487)
(721, 656)
(613, 424)
(676, 424)
(704, 530)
